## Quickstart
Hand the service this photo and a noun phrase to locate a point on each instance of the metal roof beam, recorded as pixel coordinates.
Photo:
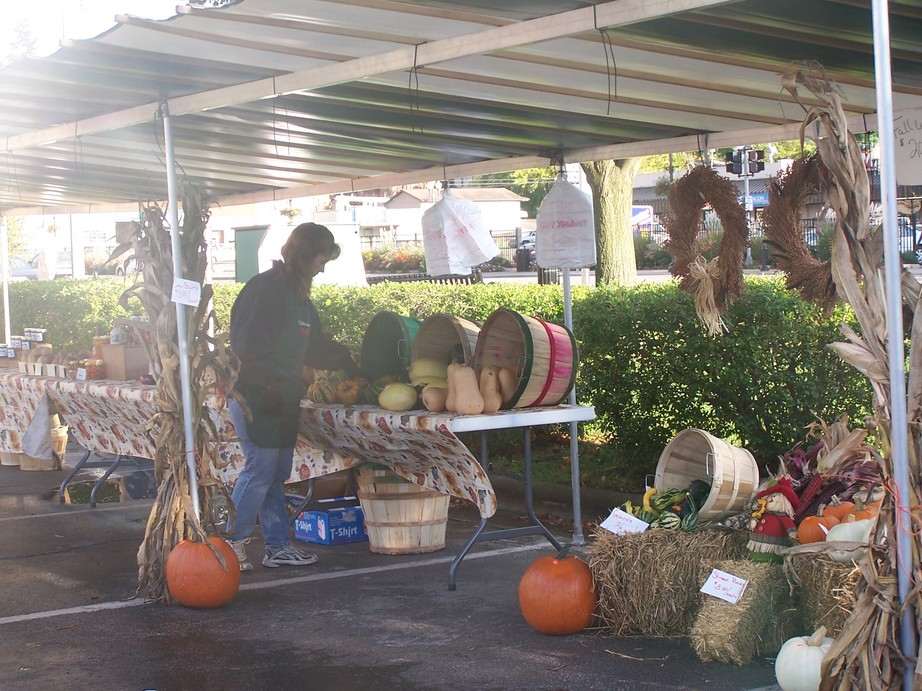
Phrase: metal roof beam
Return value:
(618, 13)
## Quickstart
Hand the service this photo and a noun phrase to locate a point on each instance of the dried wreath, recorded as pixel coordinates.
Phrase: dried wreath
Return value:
(782, 227)
(717, 283)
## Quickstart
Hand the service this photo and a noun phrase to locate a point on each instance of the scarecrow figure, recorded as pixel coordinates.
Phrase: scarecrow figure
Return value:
(772, 523)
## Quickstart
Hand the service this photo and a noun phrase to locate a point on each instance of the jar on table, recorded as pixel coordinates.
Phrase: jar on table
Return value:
(72, 369)
(100, 369)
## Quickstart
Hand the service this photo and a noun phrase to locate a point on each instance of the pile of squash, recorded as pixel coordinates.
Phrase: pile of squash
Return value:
(459, 388)
(331, 388)
(840, 521)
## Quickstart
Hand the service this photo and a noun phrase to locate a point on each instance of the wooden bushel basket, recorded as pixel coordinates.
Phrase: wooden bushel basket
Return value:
(444, 337)
(542, 355)
(387, 343)
(401, 517)
(731, 471)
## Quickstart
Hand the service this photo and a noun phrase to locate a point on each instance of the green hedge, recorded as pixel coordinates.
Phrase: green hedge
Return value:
(646, 364)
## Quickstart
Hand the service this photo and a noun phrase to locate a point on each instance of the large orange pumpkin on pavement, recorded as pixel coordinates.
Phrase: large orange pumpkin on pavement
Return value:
(197, 578)
(557, 595)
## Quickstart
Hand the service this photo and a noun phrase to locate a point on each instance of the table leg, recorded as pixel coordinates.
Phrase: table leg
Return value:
(305, 500)
(70, 475)
(536, 527)
(101, 481)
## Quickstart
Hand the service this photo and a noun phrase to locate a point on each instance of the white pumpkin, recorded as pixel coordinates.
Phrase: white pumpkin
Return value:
(850, 531)
(798, 665)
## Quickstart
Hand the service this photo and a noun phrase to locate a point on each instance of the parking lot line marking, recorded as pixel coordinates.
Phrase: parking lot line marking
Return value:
(137, 602)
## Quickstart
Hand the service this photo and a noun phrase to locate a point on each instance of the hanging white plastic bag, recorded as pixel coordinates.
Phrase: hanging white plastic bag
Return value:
(565, 235)
(455, 237)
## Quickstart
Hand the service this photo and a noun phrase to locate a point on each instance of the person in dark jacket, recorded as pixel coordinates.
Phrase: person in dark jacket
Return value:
(276, 331)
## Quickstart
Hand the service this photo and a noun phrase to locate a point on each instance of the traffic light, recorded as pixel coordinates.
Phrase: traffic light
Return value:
(734, 165)
(756, 161)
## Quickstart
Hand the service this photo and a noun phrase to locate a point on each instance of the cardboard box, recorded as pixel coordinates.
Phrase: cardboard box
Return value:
(124, 362)
(331, 526)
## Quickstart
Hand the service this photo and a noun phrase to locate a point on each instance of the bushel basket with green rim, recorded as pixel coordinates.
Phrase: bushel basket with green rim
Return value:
(543, 356)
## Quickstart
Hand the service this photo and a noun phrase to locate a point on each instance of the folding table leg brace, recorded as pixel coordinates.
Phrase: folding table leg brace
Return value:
(536, 527)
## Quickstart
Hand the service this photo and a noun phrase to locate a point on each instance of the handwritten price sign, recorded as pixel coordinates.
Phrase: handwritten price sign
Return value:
(186, 292)
(725, 586)
(621, 522)
(907, 130)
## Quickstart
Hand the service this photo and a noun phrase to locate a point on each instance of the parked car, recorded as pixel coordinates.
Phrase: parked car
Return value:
(21, 270)
(527, 242)
(65, 267)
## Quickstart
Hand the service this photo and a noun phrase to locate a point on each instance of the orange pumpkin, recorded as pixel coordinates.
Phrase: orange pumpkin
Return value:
(196, 576)
(814, 528)
(556, 594)
(863, 511)
(838, 509)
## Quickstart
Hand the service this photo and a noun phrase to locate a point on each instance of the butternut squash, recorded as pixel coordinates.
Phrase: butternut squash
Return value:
(489, 389)
(452, 388)
(507, 384)
(434, 398)
(468, 400)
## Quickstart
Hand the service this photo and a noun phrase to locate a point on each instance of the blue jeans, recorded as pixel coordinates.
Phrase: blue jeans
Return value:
(260, 489)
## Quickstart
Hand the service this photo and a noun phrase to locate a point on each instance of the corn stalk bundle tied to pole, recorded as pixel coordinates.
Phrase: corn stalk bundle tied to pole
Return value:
(867, 653)
(213, 372)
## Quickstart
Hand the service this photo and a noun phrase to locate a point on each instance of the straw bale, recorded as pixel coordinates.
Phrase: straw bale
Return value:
(648, 582)
(826, 590)
(757, 625)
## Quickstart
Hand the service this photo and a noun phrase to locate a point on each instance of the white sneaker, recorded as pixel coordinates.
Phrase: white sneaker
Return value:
(239, 547)
(287, 556)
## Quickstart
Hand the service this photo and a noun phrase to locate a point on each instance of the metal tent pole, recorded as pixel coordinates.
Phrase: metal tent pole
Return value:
(893, 267)
(181, 310)
(578, 538)
(5, 268)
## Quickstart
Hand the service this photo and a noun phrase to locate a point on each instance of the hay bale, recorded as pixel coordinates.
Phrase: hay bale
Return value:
(826, 590)
(757, 624)
(648, 582)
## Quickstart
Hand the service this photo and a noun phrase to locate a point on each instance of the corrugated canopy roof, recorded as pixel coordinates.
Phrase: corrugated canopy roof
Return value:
(272, 99)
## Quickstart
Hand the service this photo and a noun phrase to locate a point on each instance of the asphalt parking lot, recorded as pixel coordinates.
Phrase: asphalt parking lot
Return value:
(69, 618)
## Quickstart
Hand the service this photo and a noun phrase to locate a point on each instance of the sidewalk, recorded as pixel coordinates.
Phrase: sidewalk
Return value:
(354, 620)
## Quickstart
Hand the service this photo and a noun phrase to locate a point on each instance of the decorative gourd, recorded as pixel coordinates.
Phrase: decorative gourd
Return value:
(850, 530)
(398, 397)
(556, 594)
(800, 660)
(434, 398)
(468, 400)
(348, 391)
(450, 405)
(815, 528)
(489, 389)
(202, 574)
(322, 392)
(507, 384)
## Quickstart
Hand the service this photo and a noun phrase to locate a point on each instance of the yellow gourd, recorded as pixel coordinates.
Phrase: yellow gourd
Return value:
(507, 384)
(489, 389)
(452, 389)
(468, 400)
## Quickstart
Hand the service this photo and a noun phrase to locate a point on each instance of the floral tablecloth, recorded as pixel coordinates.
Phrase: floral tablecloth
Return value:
(113, 417)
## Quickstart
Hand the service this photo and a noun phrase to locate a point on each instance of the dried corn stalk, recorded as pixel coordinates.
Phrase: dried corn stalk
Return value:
(172, 518)
(867, 652)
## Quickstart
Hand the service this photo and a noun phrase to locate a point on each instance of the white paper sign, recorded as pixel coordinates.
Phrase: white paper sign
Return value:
(186, 292)
(907, 131)
(725, 586)
(81, 374)
(621, 523)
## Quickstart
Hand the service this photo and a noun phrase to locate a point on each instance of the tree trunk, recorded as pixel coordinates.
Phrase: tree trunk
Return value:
(612, 184)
